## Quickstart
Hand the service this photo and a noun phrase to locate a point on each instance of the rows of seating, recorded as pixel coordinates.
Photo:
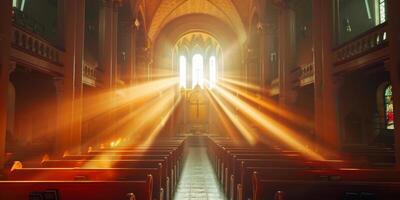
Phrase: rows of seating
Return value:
(271, 172)
(148, 172)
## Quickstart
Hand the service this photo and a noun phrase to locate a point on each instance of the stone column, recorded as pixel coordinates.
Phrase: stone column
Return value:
(11, 101)
(394, 67)
(263, 58)
(106, 41)
(114, 25)
(5, 46)
(72, 85)
(132, 55)
(326, 130)
(268, 51)
(285, 53)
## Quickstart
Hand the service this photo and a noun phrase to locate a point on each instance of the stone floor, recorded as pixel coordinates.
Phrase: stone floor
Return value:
(198, 179)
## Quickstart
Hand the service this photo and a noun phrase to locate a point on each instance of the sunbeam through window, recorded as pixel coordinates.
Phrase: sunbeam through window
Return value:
(182, 71)
(197, 71)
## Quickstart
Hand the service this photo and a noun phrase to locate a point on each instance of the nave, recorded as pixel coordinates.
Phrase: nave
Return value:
(198, 179)
(198, 167)
(200, 99)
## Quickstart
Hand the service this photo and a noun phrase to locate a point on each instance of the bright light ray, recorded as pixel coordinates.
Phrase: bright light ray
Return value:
(213, 72)
(225, 121)
(107, 102)
(248, 86)
(121, 122)
(143, 117)
(270, 106)
(197, 71)
(182, 71)
(137, 133)
(240, 125)
(156, 130)
(157, 76)
(267, 123)
(102, 106)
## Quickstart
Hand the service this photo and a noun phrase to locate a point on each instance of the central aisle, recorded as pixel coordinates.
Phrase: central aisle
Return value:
(198, 180)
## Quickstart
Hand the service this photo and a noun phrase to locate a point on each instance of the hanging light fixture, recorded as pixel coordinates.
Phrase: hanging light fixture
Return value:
(347, 25)
(137, 24)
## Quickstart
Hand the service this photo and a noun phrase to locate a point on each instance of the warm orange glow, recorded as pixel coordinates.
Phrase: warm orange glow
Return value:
(156, 130)
(269, 125)
(16, 165)
(153, 118)
(242, 84)
(224, 119)
(45, 157)
(240, 125)
(269, 105)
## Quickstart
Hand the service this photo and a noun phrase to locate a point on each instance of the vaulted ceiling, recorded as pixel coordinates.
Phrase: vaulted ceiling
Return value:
(159, 13)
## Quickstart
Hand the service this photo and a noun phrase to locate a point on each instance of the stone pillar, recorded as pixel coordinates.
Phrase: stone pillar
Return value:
(326, 130)
(133, 66)
(5, 47)
(285, 56)
(263, 58)
(72, 85)
(132, 55)
(106, 41)
(114, 25)
(394, 67)
(60, 22)
(11, 101)
(268, 51)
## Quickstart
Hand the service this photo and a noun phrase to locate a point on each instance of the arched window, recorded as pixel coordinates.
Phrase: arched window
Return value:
(213, 72)
(182, 71)
(389, 113)
(19, 4)
(380, 11)
(197, 71)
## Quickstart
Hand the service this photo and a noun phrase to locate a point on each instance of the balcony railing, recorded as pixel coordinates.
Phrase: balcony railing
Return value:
(26, 36)
(35, 45)
(303, 75)
(371, 40)
(89, 74)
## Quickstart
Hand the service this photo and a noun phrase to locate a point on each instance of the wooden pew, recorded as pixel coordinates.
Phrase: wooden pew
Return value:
(173, 164)
(375, 175)
(231, 161)
(324, 190)
(72, 190)
(242, 164)
(166, 182)
(229, 173)
(174, 170)
(105, 174)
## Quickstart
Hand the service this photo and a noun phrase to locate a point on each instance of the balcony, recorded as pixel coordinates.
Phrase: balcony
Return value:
(89, 74)
(31, 49)
(368, 48)
(303, 75)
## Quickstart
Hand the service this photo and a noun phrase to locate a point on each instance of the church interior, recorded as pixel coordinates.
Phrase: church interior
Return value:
(199, 99)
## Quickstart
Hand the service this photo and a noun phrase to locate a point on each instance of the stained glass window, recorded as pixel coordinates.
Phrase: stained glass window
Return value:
(182, 71)
(197, 71)
(380, 8)
(213, 72)
(389, 113)
(19, 4)
(382, 11)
